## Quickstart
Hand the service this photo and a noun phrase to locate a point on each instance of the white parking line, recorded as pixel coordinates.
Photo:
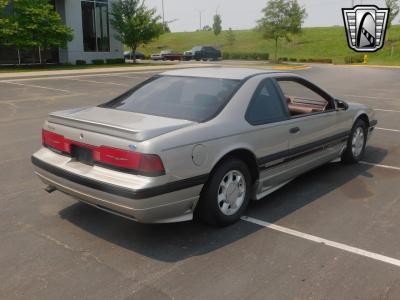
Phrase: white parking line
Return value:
(380, 166)
(36, 86)
(387, 129)
(387, 110)
(98, 82)
(312, 238)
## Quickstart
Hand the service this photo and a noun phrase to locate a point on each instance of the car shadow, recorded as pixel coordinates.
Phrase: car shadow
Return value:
(176, 242)
(315, 184)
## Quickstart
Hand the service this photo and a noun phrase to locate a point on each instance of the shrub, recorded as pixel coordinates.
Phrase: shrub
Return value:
(226, 55)
(111, 61)
(293, 59)
(236, 55)
(354, 59)
(254, 56)
(245, 55)
(283, 59)
(320, 60)
(80, 62)
(98, 61)
(264, 56)
(302, 60)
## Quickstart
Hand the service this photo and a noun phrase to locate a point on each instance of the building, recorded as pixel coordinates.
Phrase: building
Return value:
(93, 35)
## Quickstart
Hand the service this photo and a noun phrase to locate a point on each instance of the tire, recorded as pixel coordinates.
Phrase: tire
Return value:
(215, 211)
(356, 146)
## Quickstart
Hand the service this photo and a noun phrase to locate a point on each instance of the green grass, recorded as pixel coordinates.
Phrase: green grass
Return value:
(322, 42)
(17, 69)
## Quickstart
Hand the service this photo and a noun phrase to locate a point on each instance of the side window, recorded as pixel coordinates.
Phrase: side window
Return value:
(301, 99)
(266, 105)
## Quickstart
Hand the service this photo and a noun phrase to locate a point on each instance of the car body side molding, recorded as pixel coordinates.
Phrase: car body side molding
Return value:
(308, 149)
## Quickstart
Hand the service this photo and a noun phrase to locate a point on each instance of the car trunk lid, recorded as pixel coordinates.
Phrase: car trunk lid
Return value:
(122, 124)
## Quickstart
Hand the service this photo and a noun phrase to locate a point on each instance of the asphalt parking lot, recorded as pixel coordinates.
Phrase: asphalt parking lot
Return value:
(333, 233)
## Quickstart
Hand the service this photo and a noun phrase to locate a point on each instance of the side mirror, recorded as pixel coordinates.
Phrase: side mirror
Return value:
(341, 105)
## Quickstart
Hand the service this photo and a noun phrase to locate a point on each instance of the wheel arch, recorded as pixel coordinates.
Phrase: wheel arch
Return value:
(362, 116)
(244, 154)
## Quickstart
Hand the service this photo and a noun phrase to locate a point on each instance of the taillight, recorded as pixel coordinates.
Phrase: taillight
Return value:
(146, 164)
(55, 141)
(123, 160)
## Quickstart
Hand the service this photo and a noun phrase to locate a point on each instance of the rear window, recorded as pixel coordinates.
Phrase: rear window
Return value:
(187, 98)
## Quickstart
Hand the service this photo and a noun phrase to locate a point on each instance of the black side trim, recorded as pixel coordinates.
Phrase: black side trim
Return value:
(120, 191)
(373, 123)
(303, 150)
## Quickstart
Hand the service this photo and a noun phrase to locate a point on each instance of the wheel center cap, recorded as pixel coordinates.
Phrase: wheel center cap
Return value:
(232, 193)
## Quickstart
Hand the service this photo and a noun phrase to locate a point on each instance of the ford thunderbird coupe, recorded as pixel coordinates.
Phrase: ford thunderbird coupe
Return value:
(198, 143)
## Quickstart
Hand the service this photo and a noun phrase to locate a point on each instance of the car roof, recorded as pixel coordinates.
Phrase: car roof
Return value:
(220, 73)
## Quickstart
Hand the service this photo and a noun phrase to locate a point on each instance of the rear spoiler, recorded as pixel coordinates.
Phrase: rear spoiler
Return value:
(99, 127)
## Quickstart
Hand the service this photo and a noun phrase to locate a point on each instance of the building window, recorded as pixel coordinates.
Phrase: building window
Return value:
(96, 37)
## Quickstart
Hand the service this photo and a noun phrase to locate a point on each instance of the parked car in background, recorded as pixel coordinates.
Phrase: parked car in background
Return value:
(167, 55)
(132, 55)
(203, 53)
(198, 142)
(173, 56)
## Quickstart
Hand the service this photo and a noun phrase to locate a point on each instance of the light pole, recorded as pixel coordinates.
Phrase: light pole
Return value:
(200, 15)
(163, 14)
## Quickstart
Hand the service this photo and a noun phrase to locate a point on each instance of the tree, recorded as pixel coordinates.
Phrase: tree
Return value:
(281, 19)
(37, 24)
(134, 23)
(230, 37)
(394, 7)
(217, 25)
(7, 28)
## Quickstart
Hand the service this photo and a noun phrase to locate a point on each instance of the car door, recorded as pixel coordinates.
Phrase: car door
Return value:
(318, 131)
(269, 118)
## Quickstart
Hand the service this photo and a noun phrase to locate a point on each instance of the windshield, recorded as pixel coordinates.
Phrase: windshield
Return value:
(187, 98)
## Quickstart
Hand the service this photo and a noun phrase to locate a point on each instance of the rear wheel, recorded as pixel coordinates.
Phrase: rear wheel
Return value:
(226, 195)
(356, 143)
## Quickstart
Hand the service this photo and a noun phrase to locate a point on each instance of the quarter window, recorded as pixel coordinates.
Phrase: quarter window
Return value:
(266, 105)
(95, 26)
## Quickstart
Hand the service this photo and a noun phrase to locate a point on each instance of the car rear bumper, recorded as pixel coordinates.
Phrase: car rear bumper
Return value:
(163, 204)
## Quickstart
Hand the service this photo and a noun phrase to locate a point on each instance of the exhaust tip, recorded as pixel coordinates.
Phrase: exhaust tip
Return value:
(50, 189)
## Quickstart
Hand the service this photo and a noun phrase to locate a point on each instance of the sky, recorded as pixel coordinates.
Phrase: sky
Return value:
(238, 15)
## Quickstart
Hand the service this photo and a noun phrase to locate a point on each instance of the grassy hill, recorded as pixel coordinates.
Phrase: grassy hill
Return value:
(323, 42)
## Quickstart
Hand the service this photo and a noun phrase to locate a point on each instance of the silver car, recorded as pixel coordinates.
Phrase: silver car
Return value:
(198, 142)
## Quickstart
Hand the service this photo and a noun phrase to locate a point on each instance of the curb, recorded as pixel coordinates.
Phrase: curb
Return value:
(369, 66)
(303, 67)
(266, 67)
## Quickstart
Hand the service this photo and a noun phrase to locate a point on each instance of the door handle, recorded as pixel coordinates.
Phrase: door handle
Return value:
(294, 130)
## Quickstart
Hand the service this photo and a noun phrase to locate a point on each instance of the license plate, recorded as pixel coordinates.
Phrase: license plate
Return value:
(83, 155)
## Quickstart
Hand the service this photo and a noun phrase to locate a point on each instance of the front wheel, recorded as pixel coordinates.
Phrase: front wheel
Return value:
(356, 144)
(226, 195)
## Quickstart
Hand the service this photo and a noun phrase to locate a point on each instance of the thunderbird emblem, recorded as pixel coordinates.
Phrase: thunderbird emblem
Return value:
(365, 27)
